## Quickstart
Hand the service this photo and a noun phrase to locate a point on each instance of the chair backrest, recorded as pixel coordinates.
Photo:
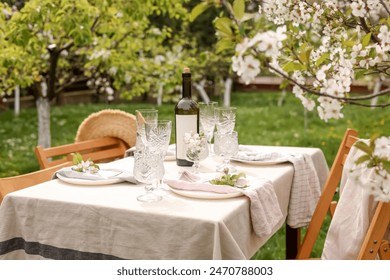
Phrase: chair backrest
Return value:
(99, 150)
(325, 201)
(11, 184)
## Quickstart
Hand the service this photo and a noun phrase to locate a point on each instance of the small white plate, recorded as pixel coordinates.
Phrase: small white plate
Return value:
(205, 195)
(77, 181)
(260, 162)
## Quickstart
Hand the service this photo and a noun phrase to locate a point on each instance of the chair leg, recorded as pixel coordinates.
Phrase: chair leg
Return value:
(332, 208)
(375, 232)
(384, 250)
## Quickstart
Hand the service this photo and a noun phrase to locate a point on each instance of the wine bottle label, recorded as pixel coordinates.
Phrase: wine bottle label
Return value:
(184, 124)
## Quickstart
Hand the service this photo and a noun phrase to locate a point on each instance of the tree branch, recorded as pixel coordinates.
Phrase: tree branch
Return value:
(95, 23)
(229, 9)
(53, 60)
(369, 105)
(351, 100)
(368, 30)
(69, 83)
(385, 6)
(66, 46)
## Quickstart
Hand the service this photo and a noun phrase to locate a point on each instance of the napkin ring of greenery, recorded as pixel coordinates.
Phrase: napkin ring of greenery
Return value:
(229, 179)
(84, 166)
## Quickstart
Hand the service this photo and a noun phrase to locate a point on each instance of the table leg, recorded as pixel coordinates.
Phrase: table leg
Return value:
(292, 242)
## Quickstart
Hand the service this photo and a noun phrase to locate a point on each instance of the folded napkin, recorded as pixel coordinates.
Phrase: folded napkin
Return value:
(248, 154)
(305, 189)
(103, 174)
(170, 152)
(264, 205)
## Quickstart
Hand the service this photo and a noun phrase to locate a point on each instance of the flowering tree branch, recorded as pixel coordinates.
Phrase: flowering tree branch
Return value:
(319, 47)
(345, 99)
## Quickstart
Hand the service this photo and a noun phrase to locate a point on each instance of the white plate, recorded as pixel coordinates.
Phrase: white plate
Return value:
(205, 195)
(77, 181)
(260, 162)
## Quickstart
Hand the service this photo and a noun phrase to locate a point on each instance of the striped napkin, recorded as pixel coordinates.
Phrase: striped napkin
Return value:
(305, 189)
(264, 205)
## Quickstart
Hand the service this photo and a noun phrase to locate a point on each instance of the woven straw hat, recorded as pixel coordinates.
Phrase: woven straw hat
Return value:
(108, 122)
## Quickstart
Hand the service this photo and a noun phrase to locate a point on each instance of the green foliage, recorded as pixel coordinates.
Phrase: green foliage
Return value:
(114, 40)
(199, 9)
(77, 158)
(259, 122)
(239, 9)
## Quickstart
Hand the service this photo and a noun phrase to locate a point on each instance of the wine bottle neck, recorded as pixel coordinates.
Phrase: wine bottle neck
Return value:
(186, 91)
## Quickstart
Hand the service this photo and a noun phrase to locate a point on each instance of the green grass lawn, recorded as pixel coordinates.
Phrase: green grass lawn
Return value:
(259, 121)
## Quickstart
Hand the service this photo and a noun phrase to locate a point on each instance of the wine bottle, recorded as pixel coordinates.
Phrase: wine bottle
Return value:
(186, 118)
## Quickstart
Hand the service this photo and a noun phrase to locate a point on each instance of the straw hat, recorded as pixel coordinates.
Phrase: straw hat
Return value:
(108, 122)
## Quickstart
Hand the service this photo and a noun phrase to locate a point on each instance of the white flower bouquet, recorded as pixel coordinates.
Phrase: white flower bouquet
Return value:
(196, 146)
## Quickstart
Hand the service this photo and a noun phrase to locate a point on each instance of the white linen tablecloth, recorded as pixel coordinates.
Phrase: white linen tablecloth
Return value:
(57, 220)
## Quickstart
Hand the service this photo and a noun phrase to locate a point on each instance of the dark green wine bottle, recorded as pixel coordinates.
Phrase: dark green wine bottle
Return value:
(186, 118)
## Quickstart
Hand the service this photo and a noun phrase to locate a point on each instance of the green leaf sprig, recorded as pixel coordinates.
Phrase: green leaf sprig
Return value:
(229, 179)
(370, 157)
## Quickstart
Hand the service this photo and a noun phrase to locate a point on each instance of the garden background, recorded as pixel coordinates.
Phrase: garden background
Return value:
(131, 57)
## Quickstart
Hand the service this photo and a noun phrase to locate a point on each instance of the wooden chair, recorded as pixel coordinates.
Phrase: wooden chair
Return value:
(99, 150)
(373, 243)
(326, 203)
(11, 184)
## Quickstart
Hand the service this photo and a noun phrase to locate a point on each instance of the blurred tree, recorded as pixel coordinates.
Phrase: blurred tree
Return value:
(50, 45)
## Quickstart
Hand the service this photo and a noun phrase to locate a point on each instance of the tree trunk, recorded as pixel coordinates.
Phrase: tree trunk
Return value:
(377, 88)
(43, 111)
(160, 94)
(228, 92)
(281, 98)
(17, 101)
(202, 92)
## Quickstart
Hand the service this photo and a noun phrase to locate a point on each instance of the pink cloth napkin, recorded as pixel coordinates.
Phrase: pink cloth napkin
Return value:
(264, 205)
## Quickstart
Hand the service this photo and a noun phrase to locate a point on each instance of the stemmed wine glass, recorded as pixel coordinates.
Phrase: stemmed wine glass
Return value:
(207, 119)
(196, 149)
(226, 146)
(142, 117)
(225, 119)
(147, 166)
(158, 135)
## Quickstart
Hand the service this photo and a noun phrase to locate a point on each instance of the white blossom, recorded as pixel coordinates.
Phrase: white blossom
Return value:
(382, 147)
(105, 54)
(329, 108)
(306, 102)
(358, 8)
(109, 90)
(247, 67)
(113, 70)
(384, 35)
